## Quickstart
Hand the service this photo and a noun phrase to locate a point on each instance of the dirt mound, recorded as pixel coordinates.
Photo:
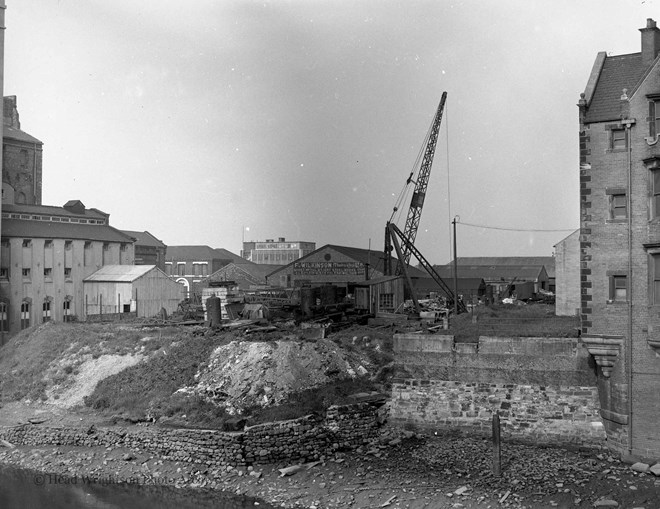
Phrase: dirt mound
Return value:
(245, 374)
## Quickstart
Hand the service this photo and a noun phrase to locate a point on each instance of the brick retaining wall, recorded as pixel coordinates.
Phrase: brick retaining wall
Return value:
(305, 438)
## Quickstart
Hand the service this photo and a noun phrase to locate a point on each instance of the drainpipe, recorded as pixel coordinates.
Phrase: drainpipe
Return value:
(628, 123)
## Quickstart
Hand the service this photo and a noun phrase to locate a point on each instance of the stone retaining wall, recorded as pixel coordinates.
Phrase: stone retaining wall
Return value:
(544, 389)
(306, 438)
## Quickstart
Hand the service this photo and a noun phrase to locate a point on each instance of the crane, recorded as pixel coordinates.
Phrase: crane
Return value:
(406, 247)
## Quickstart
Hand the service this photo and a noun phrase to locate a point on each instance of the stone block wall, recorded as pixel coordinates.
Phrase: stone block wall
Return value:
(303, 439)
(544, 389)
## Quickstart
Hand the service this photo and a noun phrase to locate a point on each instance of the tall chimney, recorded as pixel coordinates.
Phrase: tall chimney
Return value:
(650, 42)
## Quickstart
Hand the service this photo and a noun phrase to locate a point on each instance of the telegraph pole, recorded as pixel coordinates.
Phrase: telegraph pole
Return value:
(455, 271)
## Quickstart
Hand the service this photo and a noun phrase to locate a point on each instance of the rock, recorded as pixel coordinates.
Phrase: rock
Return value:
(655, 469)
(640, 467)
(290, 470)
(606, 502)
(461, 490)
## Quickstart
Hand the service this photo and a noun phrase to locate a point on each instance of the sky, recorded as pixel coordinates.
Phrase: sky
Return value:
(210, 122)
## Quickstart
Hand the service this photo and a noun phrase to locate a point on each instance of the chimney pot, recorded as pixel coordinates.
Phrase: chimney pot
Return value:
(650, 42)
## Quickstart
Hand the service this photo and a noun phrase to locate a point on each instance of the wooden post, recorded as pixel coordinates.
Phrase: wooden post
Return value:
(496, 445)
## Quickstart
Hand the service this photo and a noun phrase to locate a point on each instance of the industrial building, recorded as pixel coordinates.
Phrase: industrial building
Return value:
(276, 252)
(46, 253)
(148, 249)
(190, 264)
(133, 290)
(21, 160)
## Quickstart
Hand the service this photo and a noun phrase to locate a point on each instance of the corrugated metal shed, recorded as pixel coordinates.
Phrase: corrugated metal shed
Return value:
(120, 273)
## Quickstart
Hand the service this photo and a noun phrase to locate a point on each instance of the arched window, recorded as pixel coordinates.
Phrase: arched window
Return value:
(46, 310)
(25, 313)
(67, 313)
(4, 317)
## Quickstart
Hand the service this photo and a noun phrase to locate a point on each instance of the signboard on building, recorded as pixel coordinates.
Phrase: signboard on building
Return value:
(328, 269)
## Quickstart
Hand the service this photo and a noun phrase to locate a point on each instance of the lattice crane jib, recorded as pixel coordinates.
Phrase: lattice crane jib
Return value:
(421, 185)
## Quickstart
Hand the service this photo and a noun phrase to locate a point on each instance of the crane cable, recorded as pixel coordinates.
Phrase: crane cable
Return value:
(405, 190)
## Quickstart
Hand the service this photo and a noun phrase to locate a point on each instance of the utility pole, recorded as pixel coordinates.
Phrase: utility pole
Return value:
(455, 271)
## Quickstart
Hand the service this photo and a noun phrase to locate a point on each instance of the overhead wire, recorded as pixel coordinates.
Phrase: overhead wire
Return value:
(538, 230)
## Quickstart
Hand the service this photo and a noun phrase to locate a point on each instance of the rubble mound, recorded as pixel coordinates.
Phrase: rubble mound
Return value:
(244, 374)
(83, 381)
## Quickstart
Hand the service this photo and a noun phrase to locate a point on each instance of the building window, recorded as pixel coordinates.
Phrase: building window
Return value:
(68, 244)
(26, 274)
(67, 273)
(618, 288)
(655, 193)
(618, 206)
(4, 322)
(66, 310)
(181, 269)
(168, 268)
(386, 301)
(46, 311)
(48, 244)
(48, 274)
(4, 273)
(88, 254)
(654, 118)
(618, 139)
(25, 315)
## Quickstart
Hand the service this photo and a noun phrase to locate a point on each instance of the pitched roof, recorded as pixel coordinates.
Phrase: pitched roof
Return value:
(493, 272)
(618, 72)
(228, 255)
(13, 133)
(174, 253)
(522, 262)
(50, 230)
(364, 256)
(51, 210)
(144, 239)
(120, 273)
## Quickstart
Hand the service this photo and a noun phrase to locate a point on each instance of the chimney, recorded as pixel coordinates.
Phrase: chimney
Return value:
(650, 42)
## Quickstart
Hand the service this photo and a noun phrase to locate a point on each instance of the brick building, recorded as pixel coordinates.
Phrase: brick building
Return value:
(188, 265)
(619, 115)
(148, 249)
(21, 160)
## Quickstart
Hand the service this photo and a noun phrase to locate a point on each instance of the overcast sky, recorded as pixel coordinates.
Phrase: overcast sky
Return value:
(208, 121)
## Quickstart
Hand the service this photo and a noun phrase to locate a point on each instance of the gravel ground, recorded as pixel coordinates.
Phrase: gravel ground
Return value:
(446, 471)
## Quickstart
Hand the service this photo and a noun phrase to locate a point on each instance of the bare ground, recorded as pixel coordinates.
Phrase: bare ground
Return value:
(444, 471)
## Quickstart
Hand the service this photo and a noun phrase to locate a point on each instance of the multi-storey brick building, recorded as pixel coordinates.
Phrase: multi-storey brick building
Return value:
(619, 115)
(46, 253)
(280, 252)
(188, 265)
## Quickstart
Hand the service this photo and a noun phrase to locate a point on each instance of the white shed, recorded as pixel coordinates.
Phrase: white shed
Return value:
(140, 289)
